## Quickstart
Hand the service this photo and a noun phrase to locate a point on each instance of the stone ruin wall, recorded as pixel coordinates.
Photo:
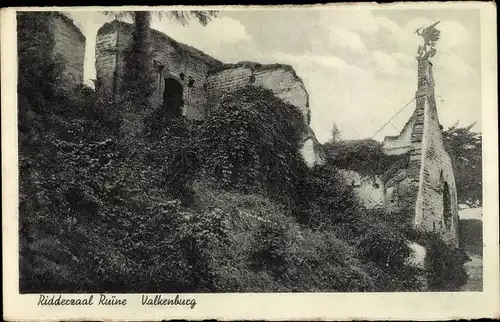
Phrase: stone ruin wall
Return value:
(107, 56)
(436, 170)
(281, 80)
(69, 45)
(421, 185)
(402, 186)
(170, 60)
(400, 144)
(370, 190)
(212, 79)
(173, 59)
(418, 187)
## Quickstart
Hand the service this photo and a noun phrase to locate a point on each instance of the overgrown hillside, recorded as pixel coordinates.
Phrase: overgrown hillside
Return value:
(222, 205)
(471, 233)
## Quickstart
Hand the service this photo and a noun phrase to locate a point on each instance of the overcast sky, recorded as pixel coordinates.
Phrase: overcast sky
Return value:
(358, 65)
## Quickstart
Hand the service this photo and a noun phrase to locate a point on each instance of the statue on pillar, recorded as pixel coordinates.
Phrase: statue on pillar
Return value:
(431, 36)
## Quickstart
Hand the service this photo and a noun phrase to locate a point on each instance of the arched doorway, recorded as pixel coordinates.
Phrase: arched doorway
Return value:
(446, 205)
(172, 98)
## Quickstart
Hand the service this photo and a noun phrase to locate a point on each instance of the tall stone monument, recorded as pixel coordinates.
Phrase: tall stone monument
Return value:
(427, 184)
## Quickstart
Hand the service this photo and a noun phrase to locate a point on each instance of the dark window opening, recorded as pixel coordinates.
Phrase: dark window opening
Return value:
(172, 98)
(159, 73)
(393, 194)
(98, 84)
(115, 85)
(446, 204)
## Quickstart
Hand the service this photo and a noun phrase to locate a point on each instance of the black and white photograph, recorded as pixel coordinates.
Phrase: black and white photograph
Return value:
(249, 150)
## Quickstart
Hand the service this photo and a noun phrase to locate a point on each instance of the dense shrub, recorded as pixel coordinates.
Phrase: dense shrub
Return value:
(243, 214)
(173, 151)
(364, 156)
(65, 163)
(306, 260)
(444, 263)
(465, 149)
(268, 251)
(251, 143)
(388, 250)
(325, 199)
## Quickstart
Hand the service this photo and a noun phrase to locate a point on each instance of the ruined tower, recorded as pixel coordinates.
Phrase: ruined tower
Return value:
(69, 44)
(428, 182)
(54, 35)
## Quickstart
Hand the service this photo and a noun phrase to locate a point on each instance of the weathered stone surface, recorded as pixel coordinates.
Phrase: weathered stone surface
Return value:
(106, 61)
(433, 195)
(69, 45)
(312, 151)
(171, 59)
(370, 190)
(418, 254)
(205, 80)
(281, 79)
(401, 144)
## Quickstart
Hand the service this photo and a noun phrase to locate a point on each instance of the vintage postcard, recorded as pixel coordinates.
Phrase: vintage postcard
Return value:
(330, 162)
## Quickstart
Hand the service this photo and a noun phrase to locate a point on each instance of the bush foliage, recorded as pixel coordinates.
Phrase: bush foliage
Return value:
(465, 149)
(365, 157)
(251, 144)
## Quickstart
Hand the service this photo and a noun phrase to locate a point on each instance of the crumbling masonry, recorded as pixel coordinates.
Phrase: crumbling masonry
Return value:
(191, 83)
(428, 182)
(424, 187)
(67, 45)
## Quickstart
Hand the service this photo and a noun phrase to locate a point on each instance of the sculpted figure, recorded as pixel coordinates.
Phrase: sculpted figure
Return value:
(431, 36)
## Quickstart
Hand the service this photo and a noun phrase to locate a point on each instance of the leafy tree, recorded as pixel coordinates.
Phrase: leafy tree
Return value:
(336, 135)
(465, 149)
